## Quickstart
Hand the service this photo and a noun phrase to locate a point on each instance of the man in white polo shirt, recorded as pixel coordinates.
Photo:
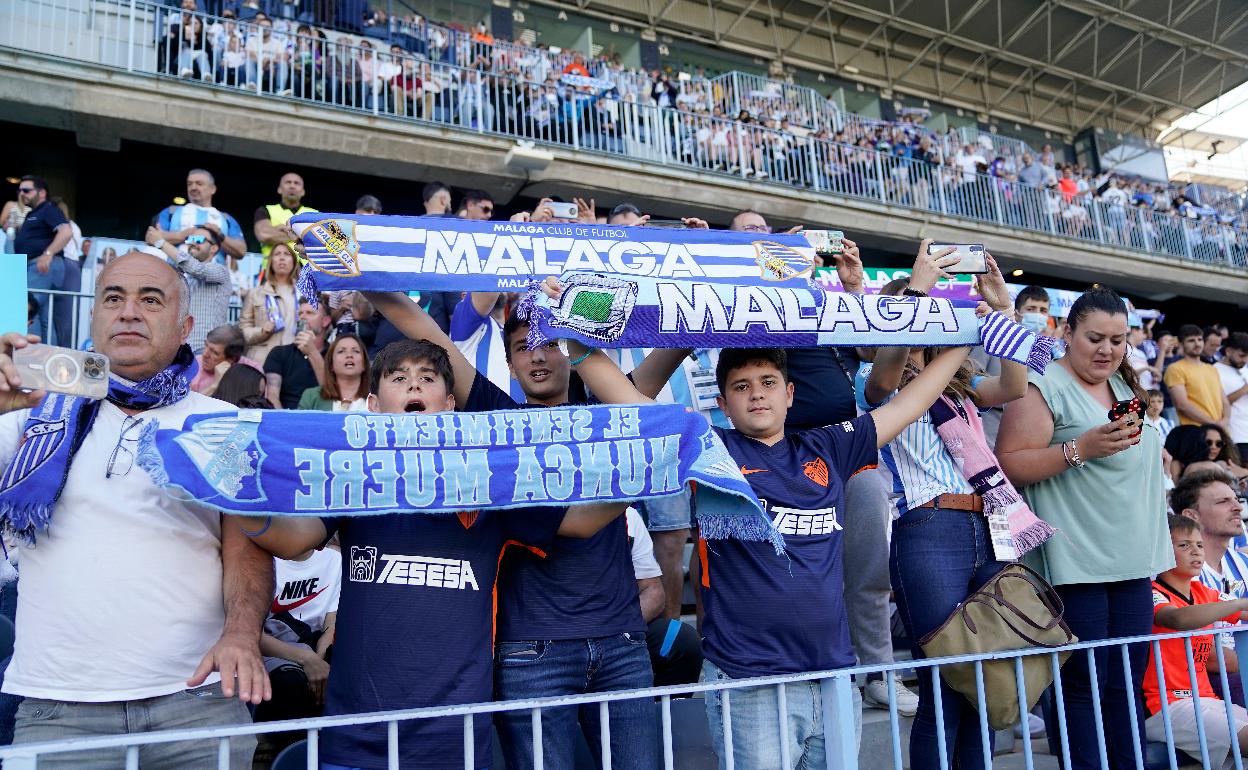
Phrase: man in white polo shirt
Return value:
(131, 599)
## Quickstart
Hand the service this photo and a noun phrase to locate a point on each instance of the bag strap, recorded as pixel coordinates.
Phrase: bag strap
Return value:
(992, 595)
(1021, 633)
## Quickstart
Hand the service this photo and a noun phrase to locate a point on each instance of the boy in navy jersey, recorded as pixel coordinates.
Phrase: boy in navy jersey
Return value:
(416, 615)
(569, 620)
(768, 614)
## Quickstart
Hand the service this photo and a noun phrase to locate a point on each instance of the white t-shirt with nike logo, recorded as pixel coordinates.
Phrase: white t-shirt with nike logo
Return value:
(304, 593)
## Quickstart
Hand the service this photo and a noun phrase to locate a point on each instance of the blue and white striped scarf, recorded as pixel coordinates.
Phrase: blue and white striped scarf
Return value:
(617, 312)
(34, 478)
(390, 253)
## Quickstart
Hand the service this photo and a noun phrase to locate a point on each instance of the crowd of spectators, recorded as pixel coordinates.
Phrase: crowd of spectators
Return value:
(610, 617)
(737, 123)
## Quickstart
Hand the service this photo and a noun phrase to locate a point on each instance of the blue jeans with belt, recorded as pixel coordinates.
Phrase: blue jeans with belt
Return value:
(539, 669)
(939, 556)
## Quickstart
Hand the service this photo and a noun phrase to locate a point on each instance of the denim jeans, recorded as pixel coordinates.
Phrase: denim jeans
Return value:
(538, 669)
(755, 721)
(48, 720)
(48, 280)
(65, 308)
(939, 556)
(1105, 611)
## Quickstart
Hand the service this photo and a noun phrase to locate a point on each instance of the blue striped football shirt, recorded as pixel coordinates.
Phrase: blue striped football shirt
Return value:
(920, 465)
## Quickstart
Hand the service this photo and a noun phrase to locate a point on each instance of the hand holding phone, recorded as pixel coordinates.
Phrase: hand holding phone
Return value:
(971, 260)
(62, 370)
(1130, 406)
(562, 210)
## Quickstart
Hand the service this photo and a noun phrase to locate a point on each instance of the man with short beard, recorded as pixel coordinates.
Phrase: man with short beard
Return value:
(175, 590)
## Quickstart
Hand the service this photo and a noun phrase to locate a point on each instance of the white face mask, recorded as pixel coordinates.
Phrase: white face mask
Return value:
(1035, 322)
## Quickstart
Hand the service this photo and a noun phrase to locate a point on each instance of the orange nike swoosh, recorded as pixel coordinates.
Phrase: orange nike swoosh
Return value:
(747, 471)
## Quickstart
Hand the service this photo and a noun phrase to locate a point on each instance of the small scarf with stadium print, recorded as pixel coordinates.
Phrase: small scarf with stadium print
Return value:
(54, 432)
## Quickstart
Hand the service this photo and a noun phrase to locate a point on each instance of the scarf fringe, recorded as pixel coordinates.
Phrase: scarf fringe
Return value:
(306, 286)
(1034, 536)
(24, 521)
(757, 529)
(148, 456)
(1041, 354)
(1000, 498)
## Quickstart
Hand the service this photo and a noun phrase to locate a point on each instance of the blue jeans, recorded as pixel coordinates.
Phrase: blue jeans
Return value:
(48, 280)
(64, 309)
(755, 723)
(539, 669)
(1105, 611)
(939, 556)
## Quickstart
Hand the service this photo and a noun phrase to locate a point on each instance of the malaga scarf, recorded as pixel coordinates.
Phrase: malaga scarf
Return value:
(34, 478)
(290, 463)
(390, 253)
(1015, 529)
(616, 312)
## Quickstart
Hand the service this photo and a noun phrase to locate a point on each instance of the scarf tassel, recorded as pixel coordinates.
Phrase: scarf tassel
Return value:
(756, 528)
(22, 521)
(1041, 354)
(1033, 536)
(148, 457)
(305, 285)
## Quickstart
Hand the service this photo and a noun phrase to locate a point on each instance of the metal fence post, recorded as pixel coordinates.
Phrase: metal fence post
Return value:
(879, 176)
(130, 39)
(1187, 237)
(839, 718)
(996, 199)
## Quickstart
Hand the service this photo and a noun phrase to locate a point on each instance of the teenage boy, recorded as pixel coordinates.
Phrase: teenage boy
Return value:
(401, 643)
(569, 621)
(769, 614)
(1182, 603)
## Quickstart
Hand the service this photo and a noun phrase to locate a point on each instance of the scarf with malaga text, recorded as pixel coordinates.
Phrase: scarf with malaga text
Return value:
(52, 435)
(612, 311)
(394, 253)
(292, 463)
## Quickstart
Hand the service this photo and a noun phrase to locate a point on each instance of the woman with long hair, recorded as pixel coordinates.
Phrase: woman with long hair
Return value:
(346, 379)
(1208, 443)
(271, 310)
(1100, 482)
(239, 384)
(942, 549)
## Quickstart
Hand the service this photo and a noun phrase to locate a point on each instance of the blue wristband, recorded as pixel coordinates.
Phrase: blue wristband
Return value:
(579, 359)
(268, 522)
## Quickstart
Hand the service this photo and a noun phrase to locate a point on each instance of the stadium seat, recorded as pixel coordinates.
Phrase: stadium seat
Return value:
(293, 757)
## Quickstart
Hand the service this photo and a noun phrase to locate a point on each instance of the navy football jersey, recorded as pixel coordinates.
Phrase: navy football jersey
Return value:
(415, 628)
(780, 614)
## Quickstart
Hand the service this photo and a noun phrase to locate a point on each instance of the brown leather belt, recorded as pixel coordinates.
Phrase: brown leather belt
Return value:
(972, 503)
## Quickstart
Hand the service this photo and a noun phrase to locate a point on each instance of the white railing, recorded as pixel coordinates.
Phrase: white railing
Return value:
(144, 37)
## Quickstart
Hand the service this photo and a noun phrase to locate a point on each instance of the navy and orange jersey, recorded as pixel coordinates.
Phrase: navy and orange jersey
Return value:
(778, 614)
(415, 624)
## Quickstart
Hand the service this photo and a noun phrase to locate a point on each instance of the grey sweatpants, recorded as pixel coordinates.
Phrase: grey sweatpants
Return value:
(867, 520)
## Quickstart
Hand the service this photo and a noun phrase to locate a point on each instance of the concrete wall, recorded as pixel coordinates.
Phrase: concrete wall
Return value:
(104, 106)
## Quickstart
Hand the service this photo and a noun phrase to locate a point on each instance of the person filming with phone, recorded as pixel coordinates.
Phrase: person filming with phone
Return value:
(1078, 448)
(129, 598)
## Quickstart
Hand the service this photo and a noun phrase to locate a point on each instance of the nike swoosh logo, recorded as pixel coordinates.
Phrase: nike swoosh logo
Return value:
(747, 471)
(279, 607)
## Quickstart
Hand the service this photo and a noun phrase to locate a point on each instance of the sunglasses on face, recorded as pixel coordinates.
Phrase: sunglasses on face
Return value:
(1213, 444)
(195, 240)
(25, 189)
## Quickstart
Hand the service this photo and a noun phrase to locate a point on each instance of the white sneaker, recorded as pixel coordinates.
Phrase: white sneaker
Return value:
(1035, 727)
(875, 695)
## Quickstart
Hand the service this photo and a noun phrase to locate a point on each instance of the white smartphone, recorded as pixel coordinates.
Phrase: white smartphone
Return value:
(62, 370)
(563, 210)
(970, 256)
(827, 243)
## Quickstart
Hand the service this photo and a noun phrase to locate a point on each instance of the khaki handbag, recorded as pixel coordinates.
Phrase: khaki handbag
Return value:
(1016, 609)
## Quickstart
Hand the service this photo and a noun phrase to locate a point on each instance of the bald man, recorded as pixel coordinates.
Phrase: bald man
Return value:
(132, 599)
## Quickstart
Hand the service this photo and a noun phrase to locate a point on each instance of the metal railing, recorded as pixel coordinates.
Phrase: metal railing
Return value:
(142, 36)
(840, 719)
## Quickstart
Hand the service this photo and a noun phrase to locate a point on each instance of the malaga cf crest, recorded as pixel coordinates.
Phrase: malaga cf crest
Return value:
(779, 262)
(338, 252)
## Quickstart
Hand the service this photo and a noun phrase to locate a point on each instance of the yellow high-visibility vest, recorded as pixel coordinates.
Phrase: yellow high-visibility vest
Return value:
(278, 216)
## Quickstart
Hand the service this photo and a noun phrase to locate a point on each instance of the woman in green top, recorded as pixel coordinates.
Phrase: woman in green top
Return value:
(346, 379)
(1100, 483)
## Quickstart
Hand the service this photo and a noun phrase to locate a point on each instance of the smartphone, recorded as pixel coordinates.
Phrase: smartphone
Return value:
(62, 370)
(827, 243)
(563, 210)
(1121, 409)
(970, 256)
(668, 224)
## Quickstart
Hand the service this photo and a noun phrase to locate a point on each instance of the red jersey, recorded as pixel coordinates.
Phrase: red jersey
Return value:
(1173, 656)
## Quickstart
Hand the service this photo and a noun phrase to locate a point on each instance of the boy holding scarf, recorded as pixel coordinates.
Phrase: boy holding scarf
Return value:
(768, 613)
(389, 587)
